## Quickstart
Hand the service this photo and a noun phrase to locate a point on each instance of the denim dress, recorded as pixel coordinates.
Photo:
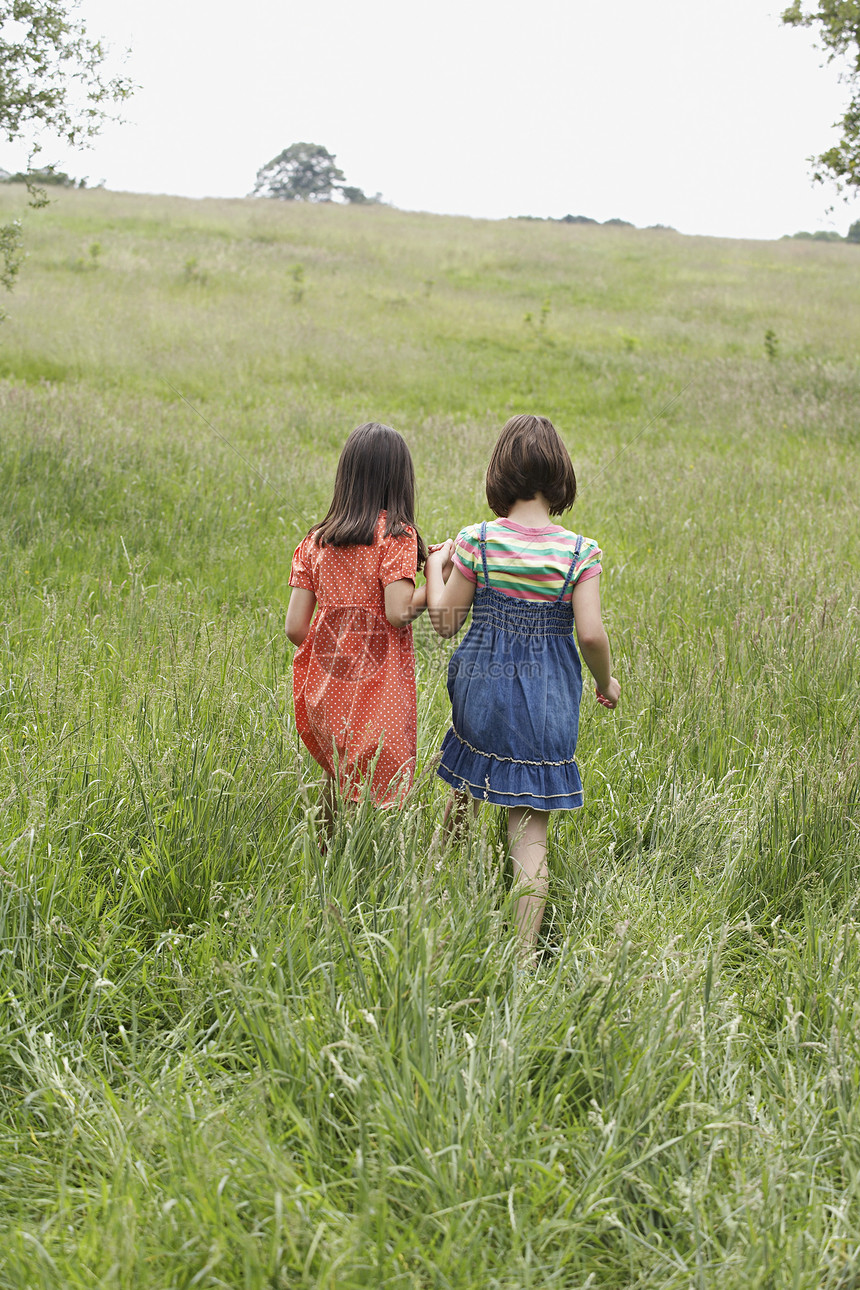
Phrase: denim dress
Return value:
(515, 685)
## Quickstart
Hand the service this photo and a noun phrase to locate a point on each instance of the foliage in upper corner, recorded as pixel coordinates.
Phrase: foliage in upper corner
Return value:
(52, 79)
(838, 27)
(306, 172)
(51, 73)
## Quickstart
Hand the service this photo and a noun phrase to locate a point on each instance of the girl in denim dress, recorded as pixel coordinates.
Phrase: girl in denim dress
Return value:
(515, 682)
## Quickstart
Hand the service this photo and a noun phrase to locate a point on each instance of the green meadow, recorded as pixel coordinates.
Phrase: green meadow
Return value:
(228, 1060)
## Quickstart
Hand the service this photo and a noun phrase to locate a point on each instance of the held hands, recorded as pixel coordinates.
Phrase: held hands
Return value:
(440, 553)
(449, 594)
(612, 695)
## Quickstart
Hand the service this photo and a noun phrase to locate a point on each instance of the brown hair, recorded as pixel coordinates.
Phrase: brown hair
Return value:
(374, 473)
(529, 457)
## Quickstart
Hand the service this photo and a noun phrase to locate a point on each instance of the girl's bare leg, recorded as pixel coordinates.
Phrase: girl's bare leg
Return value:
(457, 811)
(453, 823)
(527, 842)
(329, 810)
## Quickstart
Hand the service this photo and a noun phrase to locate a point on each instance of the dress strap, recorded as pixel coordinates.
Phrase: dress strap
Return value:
(484, 553)
(573, 563)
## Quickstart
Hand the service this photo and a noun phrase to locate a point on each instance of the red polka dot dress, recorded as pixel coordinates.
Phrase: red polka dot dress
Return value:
(354, 674)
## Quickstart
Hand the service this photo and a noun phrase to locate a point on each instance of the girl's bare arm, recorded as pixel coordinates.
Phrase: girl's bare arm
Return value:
(300, 611)
(448, 602)
(593, 641)
(404, 602)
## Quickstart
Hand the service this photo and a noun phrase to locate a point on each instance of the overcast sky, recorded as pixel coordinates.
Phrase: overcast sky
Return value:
(691, 113)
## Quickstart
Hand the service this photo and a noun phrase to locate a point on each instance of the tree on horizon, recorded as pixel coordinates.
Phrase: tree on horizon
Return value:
(305, 172)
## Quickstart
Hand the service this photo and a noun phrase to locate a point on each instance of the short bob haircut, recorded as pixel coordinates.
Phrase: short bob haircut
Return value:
(374, 473)
(529, 458)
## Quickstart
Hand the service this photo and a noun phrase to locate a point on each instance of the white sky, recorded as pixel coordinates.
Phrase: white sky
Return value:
(691, 113)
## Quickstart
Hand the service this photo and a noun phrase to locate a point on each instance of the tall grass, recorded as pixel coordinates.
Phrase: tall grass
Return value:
(227, 1059)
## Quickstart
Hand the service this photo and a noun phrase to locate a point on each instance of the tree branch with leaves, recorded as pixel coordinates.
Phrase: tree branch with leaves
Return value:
(837, 23)
(52, 79)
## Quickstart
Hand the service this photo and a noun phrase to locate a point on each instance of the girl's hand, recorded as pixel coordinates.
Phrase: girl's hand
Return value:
(444, 551)
(612, 695)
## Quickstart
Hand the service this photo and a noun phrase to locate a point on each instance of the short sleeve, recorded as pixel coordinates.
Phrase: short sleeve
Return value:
(399, 558)
(588, 565)
(467, 553)
(300, 570)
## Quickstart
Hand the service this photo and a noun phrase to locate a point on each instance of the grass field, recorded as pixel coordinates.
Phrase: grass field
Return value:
(228, 1061)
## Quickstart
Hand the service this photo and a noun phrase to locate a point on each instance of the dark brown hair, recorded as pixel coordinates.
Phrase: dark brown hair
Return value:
(529, 457)
(374, 473)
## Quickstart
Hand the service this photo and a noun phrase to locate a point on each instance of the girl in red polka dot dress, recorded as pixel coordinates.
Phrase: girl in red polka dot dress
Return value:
(350, 613)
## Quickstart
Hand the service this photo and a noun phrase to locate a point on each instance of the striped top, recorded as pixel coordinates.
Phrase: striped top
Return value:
(530, 564)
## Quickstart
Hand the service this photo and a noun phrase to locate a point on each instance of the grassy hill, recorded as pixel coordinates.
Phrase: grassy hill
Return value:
(226, 1060)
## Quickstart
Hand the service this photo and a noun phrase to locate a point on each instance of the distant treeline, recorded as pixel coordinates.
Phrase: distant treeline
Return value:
(586, 219)
(829, 235)
(59, 178)
(45, 175)
(853, 234)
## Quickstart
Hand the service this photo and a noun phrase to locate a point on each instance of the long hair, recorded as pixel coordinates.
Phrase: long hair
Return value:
(374, 473)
